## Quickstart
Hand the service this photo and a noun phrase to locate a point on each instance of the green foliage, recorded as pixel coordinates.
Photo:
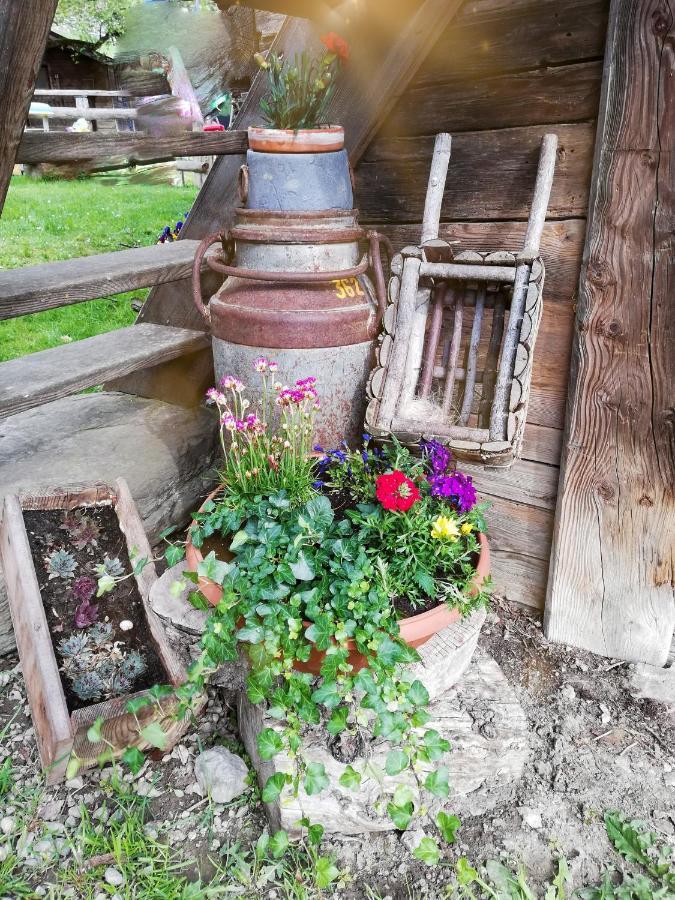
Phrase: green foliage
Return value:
(427, 851)
(61, 564)
(95, 21)
(299, 91)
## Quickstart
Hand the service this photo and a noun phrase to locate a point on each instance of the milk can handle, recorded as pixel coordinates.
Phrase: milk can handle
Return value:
(216, 237)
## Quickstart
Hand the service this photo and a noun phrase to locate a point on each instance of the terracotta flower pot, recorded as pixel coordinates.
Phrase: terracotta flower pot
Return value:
(415, 631)
(305, 140)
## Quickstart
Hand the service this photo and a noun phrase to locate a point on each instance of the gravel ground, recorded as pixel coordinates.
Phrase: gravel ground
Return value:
(593, 748)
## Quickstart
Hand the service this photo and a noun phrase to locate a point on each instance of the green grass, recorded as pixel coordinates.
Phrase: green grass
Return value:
(50, 220)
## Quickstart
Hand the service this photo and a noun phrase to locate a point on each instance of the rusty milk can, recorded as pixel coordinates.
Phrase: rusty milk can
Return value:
(298, 292)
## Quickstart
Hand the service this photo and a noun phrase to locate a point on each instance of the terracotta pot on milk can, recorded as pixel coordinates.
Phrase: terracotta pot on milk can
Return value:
(298, 290)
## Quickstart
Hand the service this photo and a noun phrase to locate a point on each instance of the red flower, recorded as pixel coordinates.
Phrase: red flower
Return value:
(396, 492)
(336, 45)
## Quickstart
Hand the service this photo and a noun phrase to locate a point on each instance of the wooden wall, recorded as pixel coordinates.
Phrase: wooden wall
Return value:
(504, 73)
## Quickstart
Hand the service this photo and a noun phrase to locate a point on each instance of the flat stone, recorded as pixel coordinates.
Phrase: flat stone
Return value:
(175, 608)
(480, 716)
(165, 452)
(221, 773)
(114, 877)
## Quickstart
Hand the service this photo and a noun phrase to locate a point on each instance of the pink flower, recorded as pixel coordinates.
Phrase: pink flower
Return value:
(229, 422)
(229, 382)
(261, 364)
(272, 366)
(213, 395)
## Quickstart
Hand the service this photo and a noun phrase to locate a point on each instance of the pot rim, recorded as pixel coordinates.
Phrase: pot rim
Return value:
(482, 571)
(272, 132)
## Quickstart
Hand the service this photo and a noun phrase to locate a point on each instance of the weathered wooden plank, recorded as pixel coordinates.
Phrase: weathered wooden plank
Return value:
(561, 94)
(542, 443)
(22, 44)
(130, 147)
(519, 527)
(653, 683)
(491, 176)
(36, 288)
(525, 482)
(491, 36)
(611, 585)
(40, 377)
(43, 682)
(91, 113)
(519, 577)
(78, 92)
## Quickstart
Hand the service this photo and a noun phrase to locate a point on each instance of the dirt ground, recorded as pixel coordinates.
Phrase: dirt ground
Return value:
(593, 748)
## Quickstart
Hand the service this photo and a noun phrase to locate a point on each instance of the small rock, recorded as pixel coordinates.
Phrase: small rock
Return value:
(532, 818)
(114, 877)
(7, 825)
(221, 773)
(568, 692)
(75, 784)
(411, 839)
(126, 625)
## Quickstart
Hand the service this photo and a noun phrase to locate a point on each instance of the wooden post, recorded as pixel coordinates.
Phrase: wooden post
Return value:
(23, 36)
(611, 579)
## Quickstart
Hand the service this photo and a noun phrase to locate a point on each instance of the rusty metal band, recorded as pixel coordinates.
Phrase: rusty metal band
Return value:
(292, 329)
(215, 262)
(266, 235)
(310, 215)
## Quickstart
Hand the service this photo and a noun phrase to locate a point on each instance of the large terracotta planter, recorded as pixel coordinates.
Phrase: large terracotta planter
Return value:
(415, 631)
(305, 140)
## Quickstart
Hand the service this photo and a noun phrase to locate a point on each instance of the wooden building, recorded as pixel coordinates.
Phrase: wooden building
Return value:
(583, 524)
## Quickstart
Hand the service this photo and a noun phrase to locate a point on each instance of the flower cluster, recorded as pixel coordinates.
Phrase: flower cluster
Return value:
(453, 486)
(396, 491)
(266, 448)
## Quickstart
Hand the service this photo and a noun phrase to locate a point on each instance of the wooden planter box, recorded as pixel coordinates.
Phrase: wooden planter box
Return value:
(60, 733)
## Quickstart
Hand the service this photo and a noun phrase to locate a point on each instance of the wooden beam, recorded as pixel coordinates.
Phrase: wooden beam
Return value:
(49, 285)
(23, 36)
(360, 106)
(67, 147)
(611, 581)
(70, 368)
(91, 114)
(78, 92)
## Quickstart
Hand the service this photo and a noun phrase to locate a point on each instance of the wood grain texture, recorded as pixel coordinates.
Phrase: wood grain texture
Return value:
(491, 176)
(128, 147)
(611, 584)
(40, 377)
(43, 682)
(22, 43)
(49, 285)
(493, 36)
(557, 95)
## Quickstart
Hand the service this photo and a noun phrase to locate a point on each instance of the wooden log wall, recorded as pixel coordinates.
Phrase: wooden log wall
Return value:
(502, 74)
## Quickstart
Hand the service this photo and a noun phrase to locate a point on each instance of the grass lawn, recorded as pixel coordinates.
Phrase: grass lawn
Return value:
(50, 220)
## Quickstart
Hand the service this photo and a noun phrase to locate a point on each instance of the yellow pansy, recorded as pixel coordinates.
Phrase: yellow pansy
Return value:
(444, 529)
(466, 528)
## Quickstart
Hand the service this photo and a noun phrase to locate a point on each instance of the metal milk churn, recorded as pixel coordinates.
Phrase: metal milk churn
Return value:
(298, 292)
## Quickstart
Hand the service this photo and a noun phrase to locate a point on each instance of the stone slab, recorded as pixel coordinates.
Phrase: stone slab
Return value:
(480, 716)
(166, 453)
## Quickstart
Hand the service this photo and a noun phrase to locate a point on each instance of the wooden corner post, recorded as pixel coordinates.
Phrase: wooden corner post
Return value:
(611, 577)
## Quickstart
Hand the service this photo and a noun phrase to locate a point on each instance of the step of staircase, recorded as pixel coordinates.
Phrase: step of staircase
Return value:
(49, 285)
(41, 377)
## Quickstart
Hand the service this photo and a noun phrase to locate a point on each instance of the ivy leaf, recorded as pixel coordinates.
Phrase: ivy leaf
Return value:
(418, 695)
(252, 634)
(319, 512)
(165, 532)
(327, 694)
(420, 718)
(106, 583)
(213, 568)
(350, 778)
(94, 732)
(137, 703)
(273, 787)
(174, 554)
(400, 815)
(427, 851)
(198, 600)
(238, 540)
(301, 569)
(319, 632)
(315, 778)
(315, 834)
(437, 782)
(255, 689)
(335, 657)
(269, 743)
(465, 872)
(396, 762)
(338, 720)
(134, 759)
(448, 826)
(435, 745)
(278, 844)
(154, 735)
(388, 652)
(326, 871)
(403, 794)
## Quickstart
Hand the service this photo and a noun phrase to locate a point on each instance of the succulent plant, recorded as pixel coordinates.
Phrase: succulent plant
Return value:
(112, 567)
(133, 665)
(89, 686)
(120, 684)
(74, 646)
(100, 633)
(83, 588)
(61, 564)
(81, 529)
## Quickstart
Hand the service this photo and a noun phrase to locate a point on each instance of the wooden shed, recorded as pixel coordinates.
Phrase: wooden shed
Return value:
(583, 525)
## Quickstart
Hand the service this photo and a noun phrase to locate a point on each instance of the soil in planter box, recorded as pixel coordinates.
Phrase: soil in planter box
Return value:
(123, 603)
